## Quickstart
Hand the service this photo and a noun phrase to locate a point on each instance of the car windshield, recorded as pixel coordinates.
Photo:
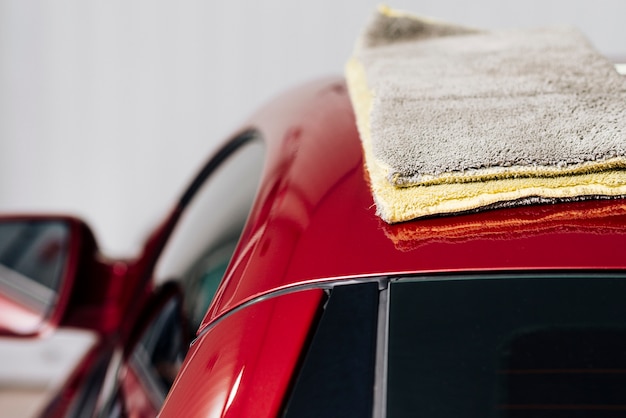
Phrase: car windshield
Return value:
(515, 347)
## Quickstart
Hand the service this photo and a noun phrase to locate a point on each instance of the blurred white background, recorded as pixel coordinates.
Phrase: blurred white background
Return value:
(108, 108)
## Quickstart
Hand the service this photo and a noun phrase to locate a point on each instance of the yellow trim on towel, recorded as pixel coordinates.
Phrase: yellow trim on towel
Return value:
(402, 204)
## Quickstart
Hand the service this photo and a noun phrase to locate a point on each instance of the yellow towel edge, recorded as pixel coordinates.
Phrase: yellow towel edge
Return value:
(398, 205)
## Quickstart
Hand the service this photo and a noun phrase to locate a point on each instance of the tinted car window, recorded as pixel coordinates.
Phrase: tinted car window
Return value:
(507, 348)
(205, 237)
(337, 374)
(203, 278)
(157, 357)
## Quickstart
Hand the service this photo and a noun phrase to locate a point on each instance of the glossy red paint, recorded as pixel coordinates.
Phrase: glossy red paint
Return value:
(243, 365)
(315, 217)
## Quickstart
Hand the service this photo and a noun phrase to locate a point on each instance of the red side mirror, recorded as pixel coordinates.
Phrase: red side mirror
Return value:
(39, 258)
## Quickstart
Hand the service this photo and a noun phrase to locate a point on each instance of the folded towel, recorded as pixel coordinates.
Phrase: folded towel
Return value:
(454, 119)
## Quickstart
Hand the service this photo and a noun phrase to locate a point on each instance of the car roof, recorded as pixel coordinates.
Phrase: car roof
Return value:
(314, 218)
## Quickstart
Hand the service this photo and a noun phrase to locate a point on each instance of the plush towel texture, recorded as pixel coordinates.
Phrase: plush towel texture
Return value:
(454, 119)
(579, 217)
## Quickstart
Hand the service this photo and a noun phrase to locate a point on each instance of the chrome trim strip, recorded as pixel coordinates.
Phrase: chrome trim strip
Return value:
(383, 280)
(325, 285)
(382, 346)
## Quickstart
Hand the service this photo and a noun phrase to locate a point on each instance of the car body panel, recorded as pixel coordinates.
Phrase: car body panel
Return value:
(315, 217)
(242, 366)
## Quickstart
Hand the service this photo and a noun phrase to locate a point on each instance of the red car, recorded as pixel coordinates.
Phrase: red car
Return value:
(307, 304)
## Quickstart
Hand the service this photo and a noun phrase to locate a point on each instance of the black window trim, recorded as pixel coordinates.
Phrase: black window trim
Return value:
(216, 161)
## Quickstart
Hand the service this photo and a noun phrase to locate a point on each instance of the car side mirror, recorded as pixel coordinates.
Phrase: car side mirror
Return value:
(39, 258)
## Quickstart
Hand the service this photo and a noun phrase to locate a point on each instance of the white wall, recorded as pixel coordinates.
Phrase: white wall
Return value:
(107, 108)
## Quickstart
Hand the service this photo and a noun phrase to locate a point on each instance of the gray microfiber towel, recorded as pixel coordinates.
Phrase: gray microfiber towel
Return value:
(455, 119)
(456, 100)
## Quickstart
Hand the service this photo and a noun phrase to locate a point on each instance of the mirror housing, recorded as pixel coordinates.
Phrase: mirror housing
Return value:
(39, 261)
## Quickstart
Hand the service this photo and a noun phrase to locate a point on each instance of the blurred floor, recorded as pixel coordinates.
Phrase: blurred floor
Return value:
(32, 370)
(22, 402)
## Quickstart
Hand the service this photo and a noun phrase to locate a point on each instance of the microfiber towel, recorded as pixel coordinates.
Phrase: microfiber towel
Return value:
(454, 118)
